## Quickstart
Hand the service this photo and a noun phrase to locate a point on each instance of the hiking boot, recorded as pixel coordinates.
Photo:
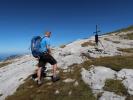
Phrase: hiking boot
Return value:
(55, 78)
(39, 82)
(34, 76)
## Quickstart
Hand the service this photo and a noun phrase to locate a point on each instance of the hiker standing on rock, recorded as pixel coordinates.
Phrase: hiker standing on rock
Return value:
(46, 57)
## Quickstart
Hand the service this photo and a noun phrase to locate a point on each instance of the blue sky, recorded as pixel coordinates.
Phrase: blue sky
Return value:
(68, 20)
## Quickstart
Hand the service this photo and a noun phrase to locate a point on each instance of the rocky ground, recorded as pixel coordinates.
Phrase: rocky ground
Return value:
(85, 72)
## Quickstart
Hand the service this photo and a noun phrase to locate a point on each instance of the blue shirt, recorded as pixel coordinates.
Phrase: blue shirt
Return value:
(44, 44)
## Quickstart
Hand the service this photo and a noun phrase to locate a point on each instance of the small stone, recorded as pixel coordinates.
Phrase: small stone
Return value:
(31, 86)
(68, 80)
(57, 72)
(65, 71)
(76, 84)
(57, 92)
(70, 92)
(50, 83)
(48, 78)
(39, 91)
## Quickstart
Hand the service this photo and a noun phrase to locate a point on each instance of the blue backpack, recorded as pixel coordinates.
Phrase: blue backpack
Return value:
(35, 46)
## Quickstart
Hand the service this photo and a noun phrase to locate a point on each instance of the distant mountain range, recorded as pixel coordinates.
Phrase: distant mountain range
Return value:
(1, 59)
(8, 57)
(12, 57)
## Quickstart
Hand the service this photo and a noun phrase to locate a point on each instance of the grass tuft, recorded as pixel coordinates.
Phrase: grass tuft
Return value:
(107, 39)
(115, 86)
(116, 63)
(62, 46)
(85, 44)
(117, 42)
(4, 64)
(127, 36)
(127, 50)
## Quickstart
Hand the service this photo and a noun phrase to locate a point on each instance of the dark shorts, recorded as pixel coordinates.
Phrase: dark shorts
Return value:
(46, 58)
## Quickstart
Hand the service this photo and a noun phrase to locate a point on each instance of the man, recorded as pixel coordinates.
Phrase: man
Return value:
(46, 57)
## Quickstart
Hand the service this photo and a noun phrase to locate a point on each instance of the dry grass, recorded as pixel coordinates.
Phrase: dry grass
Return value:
(62, 46)
(116, 63)
(130, 36)
(107, 39)
(127, 50)
(30, 91)
(127, 36)
(115, 86)
(4, 64)
(130, 28)
(129, 97)
(117, 42)
(85, 44)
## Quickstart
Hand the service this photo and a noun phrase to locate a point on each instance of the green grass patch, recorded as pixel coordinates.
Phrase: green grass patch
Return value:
(116, 63)
(117, 42)
(127, 36)
(4, 64)
(129, 97)
(115, 86)
(107, 39)
(30, 91)
(127, 50)
(129, 28)
(62, 46)
(130, 36)
(85, 44)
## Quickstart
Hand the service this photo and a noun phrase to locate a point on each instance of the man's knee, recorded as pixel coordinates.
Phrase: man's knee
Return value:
(53, 62)
(39, 68)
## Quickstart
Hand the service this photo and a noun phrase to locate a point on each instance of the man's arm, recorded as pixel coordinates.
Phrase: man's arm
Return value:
(49, 49)
(48, 46)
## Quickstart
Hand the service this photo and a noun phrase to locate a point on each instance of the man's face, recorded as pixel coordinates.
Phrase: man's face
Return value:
(49, 34)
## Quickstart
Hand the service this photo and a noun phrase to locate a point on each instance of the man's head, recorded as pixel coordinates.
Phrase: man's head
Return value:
(48, 34)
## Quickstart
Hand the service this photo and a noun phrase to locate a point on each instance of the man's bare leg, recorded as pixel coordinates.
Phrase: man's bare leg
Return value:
(55, 77)
(54, 70)
(39, 74)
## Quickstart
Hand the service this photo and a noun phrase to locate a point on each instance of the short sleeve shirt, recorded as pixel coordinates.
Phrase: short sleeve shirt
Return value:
(44, 43)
